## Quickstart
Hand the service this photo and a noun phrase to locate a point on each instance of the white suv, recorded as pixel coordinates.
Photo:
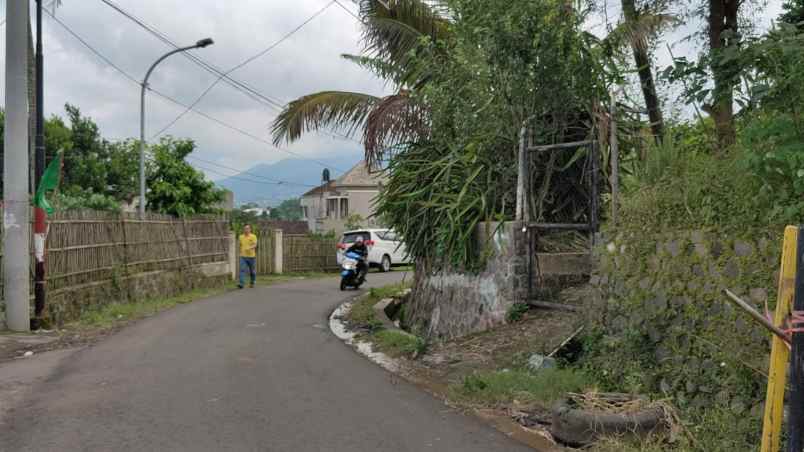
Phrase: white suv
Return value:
(385, 249)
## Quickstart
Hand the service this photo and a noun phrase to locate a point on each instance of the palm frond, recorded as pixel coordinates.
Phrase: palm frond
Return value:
(637, 33)
(381, 68)
(395, 120)
(394, 27)
(345, 111)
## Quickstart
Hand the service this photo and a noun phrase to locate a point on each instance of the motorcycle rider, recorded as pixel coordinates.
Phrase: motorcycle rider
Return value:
(359, 247)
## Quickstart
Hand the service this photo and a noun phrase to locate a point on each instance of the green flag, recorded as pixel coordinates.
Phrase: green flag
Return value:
(50, 181)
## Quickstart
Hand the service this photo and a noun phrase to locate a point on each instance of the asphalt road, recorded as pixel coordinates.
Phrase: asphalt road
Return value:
(253, 370)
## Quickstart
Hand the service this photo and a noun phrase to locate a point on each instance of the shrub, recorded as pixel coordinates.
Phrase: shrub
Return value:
(516, 312)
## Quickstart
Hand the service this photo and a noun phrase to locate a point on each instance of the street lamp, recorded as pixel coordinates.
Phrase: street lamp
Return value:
(198, 45)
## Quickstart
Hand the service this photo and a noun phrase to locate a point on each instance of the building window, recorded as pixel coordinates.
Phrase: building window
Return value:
(332, 208)
(344, 207)
(305, 213)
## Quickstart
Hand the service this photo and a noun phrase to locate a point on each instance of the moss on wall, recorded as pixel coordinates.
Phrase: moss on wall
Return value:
(661, 323)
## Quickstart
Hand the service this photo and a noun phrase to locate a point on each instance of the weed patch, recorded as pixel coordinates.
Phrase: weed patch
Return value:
(361, 316)
(503, 387)
(516, 312)
(397, 343)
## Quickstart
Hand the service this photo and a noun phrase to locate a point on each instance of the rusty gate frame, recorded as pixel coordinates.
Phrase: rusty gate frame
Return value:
(523, 214)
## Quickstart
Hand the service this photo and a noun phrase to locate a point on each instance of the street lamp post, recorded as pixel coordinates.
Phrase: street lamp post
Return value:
(198, 45)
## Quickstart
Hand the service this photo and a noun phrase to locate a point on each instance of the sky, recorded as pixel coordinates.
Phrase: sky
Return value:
(307, 61)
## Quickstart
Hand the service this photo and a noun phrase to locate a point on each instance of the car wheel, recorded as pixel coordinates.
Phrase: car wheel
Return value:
(385, 266)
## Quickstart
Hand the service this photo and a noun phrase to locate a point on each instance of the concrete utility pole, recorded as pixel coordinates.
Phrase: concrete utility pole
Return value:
(16, 201)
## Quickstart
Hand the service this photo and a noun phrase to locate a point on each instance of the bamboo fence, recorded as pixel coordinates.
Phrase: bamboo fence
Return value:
(87, 246)
(306, 253)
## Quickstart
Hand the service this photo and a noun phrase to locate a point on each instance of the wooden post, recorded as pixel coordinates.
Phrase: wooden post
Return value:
(615, 159)
(594, 190)
(795, 422)
(233, 260)
(522, 203)
(278, 252)
(777, 374)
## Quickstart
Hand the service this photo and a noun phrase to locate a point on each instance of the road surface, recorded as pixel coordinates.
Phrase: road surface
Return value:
(252, 370)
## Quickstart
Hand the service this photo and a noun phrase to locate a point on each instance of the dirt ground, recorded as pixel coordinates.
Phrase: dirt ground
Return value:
(506, 347)
(14, 346)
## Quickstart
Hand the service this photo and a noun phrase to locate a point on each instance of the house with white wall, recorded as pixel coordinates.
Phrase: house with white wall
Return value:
(327, 207)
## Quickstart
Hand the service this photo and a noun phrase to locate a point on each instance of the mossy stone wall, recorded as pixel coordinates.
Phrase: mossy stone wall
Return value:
(661, 323)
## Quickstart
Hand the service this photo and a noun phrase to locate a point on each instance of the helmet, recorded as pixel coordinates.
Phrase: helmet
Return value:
(359, 239)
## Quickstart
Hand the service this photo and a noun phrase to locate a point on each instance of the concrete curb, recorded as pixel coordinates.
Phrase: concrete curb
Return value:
(339, 329)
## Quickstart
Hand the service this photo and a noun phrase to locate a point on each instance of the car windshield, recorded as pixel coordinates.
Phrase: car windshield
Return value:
(351, 237)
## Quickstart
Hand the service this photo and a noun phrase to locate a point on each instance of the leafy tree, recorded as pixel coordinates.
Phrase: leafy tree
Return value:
(122, 173)
(506, 64)
(85, 162)
(175, 187)
(289, 209)
(355, 221)
(793, 12)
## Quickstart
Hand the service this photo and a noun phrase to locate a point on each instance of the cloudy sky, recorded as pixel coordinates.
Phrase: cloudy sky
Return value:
(306, 62)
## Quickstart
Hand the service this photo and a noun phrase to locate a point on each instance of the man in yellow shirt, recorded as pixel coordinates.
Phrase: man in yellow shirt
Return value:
(248, 256)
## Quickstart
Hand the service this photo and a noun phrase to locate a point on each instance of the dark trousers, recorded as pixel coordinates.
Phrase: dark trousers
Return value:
(248, 264)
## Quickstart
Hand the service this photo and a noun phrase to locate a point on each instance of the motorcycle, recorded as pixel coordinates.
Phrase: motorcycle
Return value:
(352, 275)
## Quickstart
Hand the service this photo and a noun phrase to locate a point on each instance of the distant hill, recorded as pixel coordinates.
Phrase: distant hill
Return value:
(248, 188)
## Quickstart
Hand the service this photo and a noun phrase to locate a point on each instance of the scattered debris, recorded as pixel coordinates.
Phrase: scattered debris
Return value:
(538, 362)
(28, 354)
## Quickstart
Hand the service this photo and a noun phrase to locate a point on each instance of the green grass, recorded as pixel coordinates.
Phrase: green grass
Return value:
(397, 343)
(108, 315)
(503, 387)
(362, 313)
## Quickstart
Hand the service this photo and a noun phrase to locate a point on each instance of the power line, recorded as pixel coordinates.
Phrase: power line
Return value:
(244, 63)
(276, 181)
(243, 87)
(349, 11)
(249, 180)
(174, 101)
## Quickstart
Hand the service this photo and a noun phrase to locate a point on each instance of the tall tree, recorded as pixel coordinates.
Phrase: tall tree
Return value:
(640, 25)
(724, 39)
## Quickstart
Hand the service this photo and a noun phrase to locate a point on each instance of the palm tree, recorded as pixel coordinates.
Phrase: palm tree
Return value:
(392, 34)
(639, 25)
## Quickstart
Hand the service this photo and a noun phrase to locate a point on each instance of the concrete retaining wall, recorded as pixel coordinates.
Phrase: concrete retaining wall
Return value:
(451, 303)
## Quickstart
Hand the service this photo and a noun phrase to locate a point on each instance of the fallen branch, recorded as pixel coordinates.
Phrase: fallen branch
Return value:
(566, 341)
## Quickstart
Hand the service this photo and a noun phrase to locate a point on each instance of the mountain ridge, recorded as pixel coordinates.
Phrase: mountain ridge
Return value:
(256, 184)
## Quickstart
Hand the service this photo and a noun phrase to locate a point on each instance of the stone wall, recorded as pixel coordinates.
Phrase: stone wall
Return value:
(68, 304)
(448, 304)
(661, 323)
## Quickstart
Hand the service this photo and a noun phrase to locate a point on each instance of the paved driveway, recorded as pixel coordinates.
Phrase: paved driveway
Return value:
(253, 370)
